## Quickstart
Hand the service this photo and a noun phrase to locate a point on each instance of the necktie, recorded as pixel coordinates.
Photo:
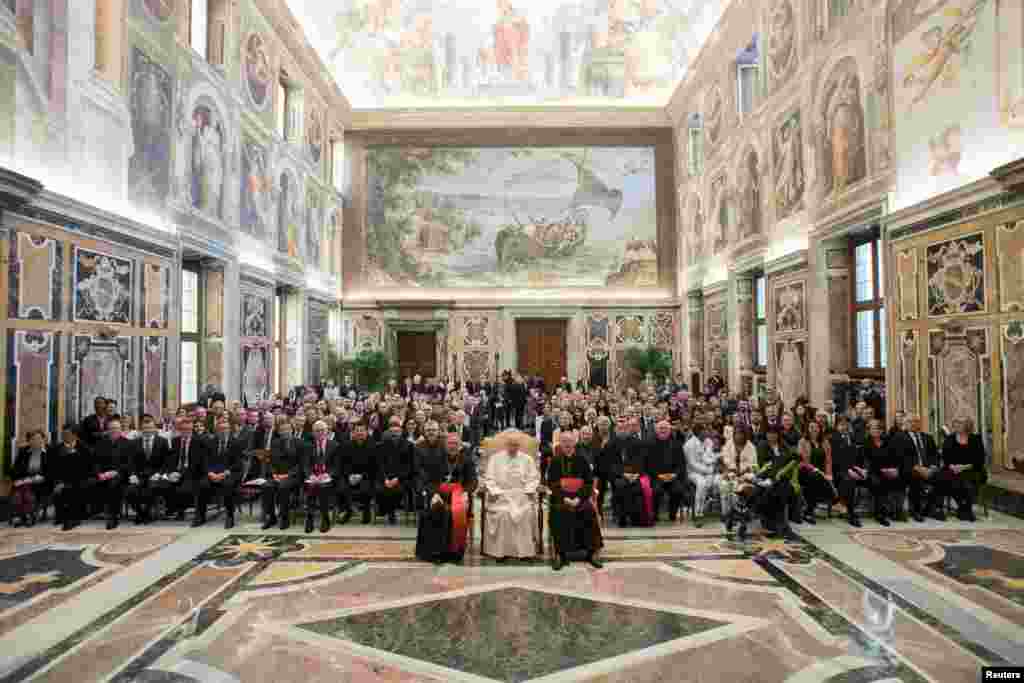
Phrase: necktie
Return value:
(270, 436)
(184, 454)
(917, 447)
(149, 446)
(222, 446)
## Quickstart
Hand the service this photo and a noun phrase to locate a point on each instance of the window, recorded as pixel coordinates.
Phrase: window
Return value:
(837, 9)
(338, 165)
(695, 148)
(760, 323)
(869, 326)
(748, 78)
(190, 334)
(198, 25)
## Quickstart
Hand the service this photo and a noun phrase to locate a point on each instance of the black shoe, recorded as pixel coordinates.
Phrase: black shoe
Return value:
(884, 521)
(139, 520)
(698, 522)
(284, 523)
(918, 517)
(325, 524)
(967, 515)
(112, 523)
(594, 562)
(198, 521)
(938, 514)
(269, 522)
(229, 521)
(345, 517)
(810, 518)
(366, 517)
(309, 523)
(557, 563)
(854, 521)
(392, 519)
(67, 526)
(180, 516)
(729, 523)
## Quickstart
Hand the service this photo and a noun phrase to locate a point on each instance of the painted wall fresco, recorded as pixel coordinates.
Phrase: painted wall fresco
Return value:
(789, 166)
(842, 139)
(956, 276)
(36, 277)
(33, 378)
(947, 65)
(152, 92)
(256, 203)
(520, 217)
(390, 53)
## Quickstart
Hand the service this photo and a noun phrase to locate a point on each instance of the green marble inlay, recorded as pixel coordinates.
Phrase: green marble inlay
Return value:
(513, 634)
(977, 565)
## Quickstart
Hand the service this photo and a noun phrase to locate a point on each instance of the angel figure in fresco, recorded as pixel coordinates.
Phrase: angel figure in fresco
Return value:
(512, 41)
(944, 46)
(790, 180)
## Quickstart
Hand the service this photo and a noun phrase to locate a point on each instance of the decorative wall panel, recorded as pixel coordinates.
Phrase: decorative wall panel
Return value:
(791, 369)
(745, 322)
(475, 332)
(156, 288)
(598, 329)
(255, 318)
(696, 315)
(956, 276)
(152, 93)
(33, 384)
(104, 287)
(154, 373)
(257, 345)
(664, 330)
(100, 367)
(368, 332)
(791, 307)
(1012, 338)
(907, 284)
(476, 363)
(36, 277)
(959, 376)
(630, 329)
(317, 321)
(1010, 260)
(909, 374)
(214, 365)
(256, 369)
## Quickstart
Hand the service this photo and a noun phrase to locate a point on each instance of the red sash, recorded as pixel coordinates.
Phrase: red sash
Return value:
(571, 485)
(645, 486)
(460, 523)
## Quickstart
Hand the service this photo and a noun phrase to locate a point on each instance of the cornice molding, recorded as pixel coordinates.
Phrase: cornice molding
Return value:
(16, 189)
(508, 117)
(790, 261)
(959, 204)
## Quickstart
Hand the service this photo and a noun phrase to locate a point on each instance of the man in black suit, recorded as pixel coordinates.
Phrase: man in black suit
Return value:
(72, 475)
(608, 462)
(394, 468)
(285, 473)
(95, 426)
(357, 472)
(849, 469)
(112, 466)
(181, 471)
(321, 462)
(221, 473)
(927, 477)
(150, 451)
(263, 437)
(666, 465)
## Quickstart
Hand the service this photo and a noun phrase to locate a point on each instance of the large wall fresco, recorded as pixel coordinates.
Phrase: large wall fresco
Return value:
(458, 52)
(950, 61)
(511, 217)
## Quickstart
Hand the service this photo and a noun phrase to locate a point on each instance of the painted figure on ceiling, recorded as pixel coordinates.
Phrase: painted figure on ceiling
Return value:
(512, 41)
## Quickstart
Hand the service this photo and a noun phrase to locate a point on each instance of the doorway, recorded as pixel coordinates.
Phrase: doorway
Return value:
(417, 354)
(541, 348)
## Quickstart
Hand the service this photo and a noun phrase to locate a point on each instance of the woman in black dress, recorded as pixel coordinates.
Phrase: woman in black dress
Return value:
(964, 454)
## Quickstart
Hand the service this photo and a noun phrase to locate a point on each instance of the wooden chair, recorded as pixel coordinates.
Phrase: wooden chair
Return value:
(487, 447)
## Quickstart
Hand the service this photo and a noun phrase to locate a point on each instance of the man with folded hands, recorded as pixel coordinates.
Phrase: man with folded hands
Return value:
(357, 470)
(446, 478)
(394, 469)
(321, 469)
(112, 467)
(176, 480)
(221, 472)
(279, 476)
(149, 452)
(574, 524)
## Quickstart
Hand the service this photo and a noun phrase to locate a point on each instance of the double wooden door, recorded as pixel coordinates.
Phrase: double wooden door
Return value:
(417, 354)
(541, 349)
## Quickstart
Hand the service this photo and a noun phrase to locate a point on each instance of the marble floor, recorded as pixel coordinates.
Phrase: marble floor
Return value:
(913, 602)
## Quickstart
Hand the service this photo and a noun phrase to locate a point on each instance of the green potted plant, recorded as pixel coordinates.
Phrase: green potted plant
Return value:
(372, 369)
(650, 361)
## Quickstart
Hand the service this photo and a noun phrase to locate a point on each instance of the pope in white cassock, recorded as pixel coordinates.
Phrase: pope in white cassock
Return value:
(511, 482)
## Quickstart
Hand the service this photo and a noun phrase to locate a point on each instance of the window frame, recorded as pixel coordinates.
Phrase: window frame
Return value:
(760, 364)
(197, 336)
(875, 304)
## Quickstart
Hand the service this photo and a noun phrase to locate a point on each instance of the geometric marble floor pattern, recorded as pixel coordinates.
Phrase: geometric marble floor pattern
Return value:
(672, 604)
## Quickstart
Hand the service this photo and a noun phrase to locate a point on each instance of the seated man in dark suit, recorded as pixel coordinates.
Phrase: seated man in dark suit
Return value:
(72, 475)
(221, 472)
(320, 469)
(849, 468)
(112, 466)
(357, 470)
(149, 452)
(280, 475)
(666, 465)
(394, 470)
(176, 482)
(927, 478)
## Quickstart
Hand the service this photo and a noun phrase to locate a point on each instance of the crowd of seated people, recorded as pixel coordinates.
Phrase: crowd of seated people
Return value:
(415, 445)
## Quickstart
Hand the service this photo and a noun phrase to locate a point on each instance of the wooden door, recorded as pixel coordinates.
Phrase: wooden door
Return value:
(542, 349)
(417, 354)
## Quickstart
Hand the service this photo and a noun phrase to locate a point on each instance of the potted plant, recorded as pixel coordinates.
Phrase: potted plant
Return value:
(652, 361)
(372, 369)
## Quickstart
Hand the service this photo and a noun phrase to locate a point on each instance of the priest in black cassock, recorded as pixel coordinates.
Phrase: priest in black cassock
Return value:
(666, 465)
(573, 522)
(447, 478)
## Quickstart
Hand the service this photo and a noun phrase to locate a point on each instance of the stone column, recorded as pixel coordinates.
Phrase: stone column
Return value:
(212, 346)
(232, 335)
(741, 332)
(818, 334)
(695, 319)
(838, 273)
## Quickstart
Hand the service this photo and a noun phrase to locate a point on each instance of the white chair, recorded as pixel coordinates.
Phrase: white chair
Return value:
(487, 448)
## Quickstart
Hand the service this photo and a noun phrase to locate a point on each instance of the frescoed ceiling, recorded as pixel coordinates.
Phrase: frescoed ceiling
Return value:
(449, 53)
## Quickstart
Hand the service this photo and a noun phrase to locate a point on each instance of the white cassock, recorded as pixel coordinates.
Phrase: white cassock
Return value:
(511, 482)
